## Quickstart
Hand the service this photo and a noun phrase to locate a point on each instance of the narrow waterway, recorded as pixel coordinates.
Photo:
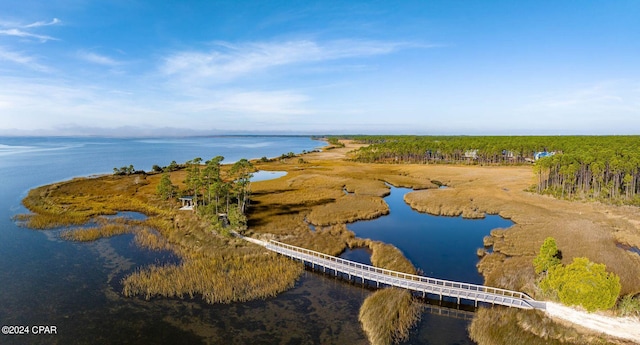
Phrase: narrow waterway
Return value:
(442, 247)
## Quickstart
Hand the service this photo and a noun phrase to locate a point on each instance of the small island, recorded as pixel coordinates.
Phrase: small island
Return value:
(593, 220)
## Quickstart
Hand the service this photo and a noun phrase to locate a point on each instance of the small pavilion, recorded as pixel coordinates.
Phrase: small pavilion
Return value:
(187, 203)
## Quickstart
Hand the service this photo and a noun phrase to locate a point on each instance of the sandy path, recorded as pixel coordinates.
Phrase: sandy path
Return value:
(624, 328)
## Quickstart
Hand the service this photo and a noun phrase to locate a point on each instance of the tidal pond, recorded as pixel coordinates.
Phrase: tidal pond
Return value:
(442, 247)
(264, 175)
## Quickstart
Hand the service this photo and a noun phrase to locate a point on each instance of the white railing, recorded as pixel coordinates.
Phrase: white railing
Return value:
(360, 269)
(479, 293)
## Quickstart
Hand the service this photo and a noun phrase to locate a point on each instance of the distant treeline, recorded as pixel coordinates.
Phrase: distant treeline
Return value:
(600, 167)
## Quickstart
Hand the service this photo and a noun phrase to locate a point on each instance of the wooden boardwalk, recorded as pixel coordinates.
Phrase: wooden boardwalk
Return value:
(421, 284)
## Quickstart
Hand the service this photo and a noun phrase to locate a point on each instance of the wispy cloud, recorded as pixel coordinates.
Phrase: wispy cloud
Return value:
(229, 61)
(24, 34)
(24, 31)
(54, 21)
(607, 95)
(21, 59)
(252, 103)
(98, 59)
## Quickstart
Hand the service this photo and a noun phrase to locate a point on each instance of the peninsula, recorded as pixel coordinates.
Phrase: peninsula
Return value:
(221, 268)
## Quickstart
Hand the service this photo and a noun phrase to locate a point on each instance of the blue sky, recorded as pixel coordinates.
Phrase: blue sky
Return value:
(415, 67)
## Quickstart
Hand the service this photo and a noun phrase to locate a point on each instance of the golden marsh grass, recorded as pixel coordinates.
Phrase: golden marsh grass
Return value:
(218, 279)
(506, 326)
(312, 194)
(388, 315)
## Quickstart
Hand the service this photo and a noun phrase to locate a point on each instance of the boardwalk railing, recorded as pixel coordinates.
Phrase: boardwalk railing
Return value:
(422, 284)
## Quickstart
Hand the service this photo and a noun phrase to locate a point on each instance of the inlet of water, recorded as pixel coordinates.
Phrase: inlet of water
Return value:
(442, 247)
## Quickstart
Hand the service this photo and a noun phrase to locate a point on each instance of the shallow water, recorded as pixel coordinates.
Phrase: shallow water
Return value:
(442, 247)
(76, 286)
(361, 255)
(264, 175)
(630, 248)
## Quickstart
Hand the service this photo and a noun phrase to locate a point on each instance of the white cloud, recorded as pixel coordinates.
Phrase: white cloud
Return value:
(24, 34)
(282, 103)
(21, 59)
(231, 61)
(23, 31)
(54, 21)
(98, 59)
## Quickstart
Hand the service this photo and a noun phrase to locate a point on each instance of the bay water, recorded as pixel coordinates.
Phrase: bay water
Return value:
(75, 286)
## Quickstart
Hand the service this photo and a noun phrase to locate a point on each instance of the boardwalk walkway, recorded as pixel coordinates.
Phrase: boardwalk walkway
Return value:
(420, 284)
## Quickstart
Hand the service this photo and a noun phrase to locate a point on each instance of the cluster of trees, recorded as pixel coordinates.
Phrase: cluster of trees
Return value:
(126, 171)
(214, 190)
(582, 282)
(600, 167)
(610, 173)
(335, 142)
(454, 149)
(173, 166)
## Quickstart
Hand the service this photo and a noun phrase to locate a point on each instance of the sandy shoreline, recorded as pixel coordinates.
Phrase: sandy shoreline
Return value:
(619, 327)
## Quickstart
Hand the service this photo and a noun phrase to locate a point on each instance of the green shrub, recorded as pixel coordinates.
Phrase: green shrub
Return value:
(583, 283)
(548, 256)
(629, 306)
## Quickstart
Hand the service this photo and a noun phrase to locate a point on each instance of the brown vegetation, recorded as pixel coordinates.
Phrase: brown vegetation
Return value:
(506, 326)
(312, 194)
(217, 278)
(388, 314)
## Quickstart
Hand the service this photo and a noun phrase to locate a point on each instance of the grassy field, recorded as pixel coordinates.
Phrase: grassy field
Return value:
(310, 207)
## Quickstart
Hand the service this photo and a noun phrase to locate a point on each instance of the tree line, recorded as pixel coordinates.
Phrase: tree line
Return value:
(214, 190)
(599, 167)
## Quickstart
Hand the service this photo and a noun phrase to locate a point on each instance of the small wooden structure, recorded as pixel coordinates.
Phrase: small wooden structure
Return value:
(187, 203)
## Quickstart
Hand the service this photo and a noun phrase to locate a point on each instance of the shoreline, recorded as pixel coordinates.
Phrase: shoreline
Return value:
(317, 183)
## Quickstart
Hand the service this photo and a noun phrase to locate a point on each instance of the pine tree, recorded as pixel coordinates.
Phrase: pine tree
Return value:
(548, 257)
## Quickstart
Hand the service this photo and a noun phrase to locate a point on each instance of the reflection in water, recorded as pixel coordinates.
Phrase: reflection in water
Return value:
(361, 255)
(76, 286)
(264, 175)
(442, 247)
(127, 215)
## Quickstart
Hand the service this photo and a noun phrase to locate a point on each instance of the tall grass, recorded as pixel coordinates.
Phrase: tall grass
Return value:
(508, 326)
(629, 306)
(218, 279)
(348, 208)
(388, 315)
(94, 233)
(104, 228)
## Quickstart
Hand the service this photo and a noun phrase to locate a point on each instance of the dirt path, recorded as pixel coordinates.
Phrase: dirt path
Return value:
(624, 328)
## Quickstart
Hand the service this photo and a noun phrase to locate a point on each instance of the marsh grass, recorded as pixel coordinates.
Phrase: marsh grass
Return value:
(104, 228)
(507, 326)
(94, 233)
(387, 315)
(385, 255)
(150, 239)
(213, 266)
(629, 306)
(217, 279)
(220, 268)
(349, 208)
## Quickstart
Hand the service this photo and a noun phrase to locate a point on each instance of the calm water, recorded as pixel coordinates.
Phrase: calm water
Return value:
(442, 247)
(75, 286)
